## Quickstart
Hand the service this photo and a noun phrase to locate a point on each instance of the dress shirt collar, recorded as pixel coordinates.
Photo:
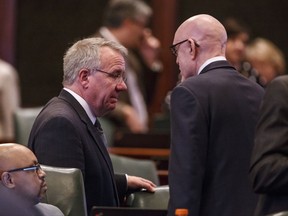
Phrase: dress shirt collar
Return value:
(84, 104)
(208, 61)
(107, 34)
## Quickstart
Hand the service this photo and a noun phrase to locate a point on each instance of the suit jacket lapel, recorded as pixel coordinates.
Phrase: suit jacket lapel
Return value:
(93, 132)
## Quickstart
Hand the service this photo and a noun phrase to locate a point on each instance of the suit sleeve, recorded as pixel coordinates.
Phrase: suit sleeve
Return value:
(188, 151)
(269, 164)
(56, 136)
(121, 184)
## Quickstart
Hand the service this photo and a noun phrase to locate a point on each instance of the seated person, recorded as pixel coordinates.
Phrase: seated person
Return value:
(22, 183)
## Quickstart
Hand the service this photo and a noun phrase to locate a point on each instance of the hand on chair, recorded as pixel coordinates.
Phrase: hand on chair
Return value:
(135, 182)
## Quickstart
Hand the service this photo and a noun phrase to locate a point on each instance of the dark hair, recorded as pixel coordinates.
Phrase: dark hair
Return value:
(119, 10)
(234, 27)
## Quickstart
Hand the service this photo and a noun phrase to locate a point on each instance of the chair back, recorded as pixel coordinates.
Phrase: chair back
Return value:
(23, 122)
(136, 167)
(146, 200)
(65, 190)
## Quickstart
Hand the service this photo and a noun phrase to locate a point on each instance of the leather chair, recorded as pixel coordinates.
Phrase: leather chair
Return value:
(136, 167)
(23, 122)
(146, 200)
(65, 190)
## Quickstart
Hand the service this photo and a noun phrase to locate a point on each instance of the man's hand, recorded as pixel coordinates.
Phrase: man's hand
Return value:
(150, 48)
(135, 182)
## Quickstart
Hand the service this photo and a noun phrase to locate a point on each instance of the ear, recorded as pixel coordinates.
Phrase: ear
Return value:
(84, 77)
(193, 49)
(7, 180)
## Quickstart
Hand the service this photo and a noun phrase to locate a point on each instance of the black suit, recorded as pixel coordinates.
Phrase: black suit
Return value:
(269, 165)
(64, 136)
(213, 117)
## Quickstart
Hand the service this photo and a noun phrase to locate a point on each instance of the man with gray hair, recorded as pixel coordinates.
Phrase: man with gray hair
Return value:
(67, 132)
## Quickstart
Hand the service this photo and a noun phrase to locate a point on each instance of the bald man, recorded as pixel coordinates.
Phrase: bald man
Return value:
(22, 183)
(213, 117)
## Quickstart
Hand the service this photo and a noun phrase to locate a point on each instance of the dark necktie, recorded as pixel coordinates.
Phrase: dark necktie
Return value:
(98, 126)
(102, 136)
(100, 132)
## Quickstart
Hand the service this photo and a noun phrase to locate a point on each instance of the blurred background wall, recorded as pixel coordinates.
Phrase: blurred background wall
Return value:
(35, 34)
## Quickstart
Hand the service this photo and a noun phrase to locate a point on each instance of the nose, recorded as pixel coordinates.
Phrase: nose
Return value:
(121, 86)
(41, 173)
(177, 62)
(240, 45)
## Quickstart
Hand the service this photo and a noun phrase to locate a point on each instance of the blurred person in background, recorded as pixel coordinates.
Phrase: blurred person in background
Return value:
(9, 100)
(266, 58)
(238, 37)
(126, 22)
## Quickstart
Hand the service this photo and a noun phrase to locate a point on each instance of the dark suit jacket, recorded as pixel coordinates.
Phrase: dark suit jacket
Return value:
(213, 117)
(64, 136)
(269, 165)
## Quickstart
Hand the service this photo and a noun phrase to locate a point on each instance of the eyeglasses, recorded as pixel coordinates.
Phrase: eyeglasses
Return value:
(36, 167)
(118, 77)
(174, 47)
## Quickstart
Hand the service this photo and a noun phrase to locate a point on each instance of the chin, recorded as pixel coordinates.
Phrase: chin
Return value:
(112, 106)
(106, 111)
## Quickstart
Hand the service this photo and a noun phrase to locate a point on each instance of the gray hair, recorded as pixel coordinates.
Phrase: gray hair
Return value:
(119, 10)
(86, 54)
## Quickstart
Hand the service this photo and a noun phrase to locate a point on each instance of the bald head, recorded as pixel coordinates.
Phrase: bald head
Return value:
(14, 155)
(20, 190)
(25, 185)
(206, 30)
(198, 39)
